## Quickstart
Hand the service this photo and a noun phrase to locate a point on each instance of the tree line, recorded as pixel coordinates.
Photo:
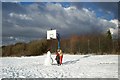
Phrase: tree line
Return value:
(83, 44)
(88, 44)
(33, 48)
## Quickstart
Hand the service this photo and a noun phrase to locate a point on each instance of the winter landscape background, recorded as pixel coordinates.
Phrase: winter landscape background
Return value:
(89, 39)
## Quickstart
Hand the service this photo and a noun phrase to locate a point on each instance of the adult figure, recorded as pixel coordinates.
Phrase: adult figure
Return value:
(57, 58)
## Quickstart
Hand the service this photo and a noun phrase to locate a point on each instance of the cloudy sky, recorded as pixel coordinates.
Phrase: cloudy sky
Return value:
(26, 21)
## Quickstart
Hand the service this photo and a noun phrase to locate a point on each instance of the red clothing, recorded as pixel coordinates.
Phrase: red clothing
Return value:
(61, 59)
(60, 54)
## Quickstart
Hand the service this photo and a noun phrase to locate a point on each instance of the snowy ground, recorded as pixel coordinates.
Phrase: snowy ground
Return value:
(74, 66)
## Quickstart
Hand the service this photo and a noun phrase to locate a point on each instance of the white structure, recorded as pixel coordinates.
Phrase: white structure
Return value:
(48, 59)
(51, 34)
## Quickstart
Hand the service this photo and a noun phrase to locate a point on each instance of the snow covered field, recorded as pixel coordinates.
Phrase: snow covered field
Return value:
(74, 66)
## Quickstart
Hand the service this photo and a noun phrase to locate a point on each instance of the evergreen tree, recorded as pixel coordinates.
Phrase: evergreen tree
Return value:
(109, 41)
(109, 36)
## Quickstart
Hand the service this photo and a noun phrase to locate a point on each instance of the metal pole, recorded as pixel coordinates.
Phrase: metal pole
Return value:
(51, 45)
(58, 37)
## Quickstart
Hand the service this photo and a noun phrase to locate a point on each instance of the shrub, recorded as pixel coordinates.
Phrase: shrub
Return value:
(37, 47)
(19, 49)
(7, 50)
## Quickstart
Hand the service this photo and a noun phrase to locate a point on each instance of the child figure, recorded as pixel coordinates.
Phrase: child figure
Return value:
(57, 58)
(61, 56)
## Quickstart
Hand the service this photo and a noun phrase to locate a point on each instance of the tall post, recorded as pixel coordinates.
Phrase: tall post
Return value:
(51, 45)
(58, 38)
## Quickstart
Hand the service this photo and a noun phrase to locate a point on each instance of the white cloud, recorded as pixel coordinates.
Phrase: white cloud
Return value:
(67, 21)
(20, 16)
(114, 30)
(11, 37)
(81, 20)
(115, 21)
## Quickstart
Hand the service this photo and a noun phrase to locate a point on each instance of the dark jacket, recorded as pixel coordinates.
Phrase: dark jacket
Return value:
(57, 58)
